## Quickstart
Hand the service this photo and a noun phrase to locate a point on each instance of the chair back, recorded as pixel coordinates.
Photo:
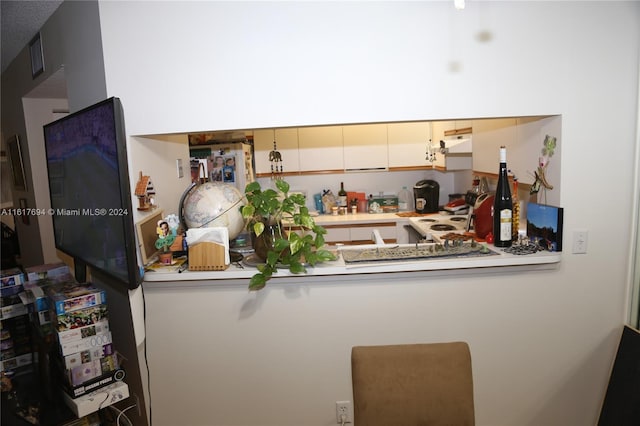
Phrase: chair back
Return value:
(427, 384)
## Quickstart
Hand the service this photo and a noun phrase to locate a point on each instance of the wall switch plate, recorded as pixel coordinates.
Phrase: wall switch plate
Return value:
(580, 240)
(179, 167)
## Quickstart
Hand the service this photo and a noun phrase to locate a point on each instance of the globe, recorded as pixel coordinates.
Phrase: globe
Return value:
(213, 204)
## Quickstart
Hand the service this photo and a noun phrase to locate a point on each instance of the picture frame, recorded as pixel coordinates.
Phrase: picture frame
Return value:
(17, 166)
(147, 235)
(544, 226)
(37, 57)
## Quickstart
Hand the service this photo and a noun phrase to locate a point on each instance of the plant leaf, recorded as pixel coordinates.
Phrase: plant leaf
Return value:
(298, 199)
(258, 281)
(248, 211)
(282, 186)
(295, 244)
(325, 255)
(297, 268)
(319, 241)
(252, 187)
(272, 258)
(258, 228)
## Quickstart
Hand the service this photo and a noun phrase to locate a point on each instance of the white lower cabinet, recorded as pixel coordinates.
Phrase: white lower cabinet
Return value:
(360, 233)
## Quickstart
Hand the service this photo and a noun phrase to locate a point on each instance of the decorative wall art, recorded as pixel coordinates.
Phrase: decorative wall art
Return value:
(15, 160)
(37, 58)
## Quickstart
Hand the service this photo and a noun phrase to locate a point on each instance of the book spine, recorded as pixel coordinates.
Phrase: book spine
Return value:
(87, 371)
(65, 305)
(81, 317)
(87, 343)
(12, 280)
(91, 385)
(19, 361)
(73, 360)
(12, 311)
(69, 336)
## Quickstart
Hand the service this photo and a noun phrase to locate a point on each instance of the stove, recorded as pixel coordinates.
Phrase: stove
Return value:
(436, 224)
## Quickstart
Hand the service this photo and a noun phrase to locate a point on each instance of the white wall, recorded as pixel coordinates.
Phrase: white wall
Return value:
(542, 343)
(70, 39)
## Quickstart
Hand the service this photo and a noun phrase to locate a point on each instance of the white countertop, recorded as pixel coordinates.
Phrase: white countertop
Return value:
(545, 260)
(347, 219)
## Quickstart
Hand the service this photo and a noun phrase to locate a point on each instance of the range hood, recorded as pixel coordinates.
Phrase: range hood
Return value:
(456, 146)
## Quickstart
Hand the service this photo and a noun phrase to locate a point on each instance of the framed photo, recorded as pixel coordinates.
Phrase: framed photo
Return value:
(15, 160)
(148, 234)
(544, 226)
(37, 58)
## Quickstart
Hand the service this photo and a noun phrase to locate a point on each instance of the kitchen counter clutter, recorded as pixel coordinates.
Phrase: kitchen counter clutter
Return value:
(240, 273)
(423, 257)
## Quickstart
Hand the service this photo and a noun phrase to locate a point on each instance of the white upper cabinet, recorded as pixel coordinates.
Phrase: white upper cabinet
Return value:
(488, 137)
(407, 144)
(320, 148)
(287, 146)
(365, 146)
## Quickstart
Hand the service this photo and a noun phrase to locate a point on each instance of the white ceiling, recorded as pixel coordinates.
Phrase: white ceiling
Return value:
(20, 22)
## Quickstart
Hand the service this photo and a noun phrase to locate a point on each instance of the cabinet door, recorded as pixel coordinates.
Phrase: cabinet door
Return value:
(488, 136)
(365, 146)
(408, 144)
(287, 145)
(320, 148)
(364, 234)
(337, 234)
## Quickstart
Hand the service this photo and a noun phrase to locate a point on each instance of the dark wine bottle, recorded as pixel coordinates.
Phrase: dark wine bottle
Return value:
(502, 206)
(342, 196)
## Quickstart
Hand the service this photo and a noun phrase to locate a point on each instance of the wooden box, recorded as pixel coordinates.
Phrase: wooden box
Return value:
(207, 256)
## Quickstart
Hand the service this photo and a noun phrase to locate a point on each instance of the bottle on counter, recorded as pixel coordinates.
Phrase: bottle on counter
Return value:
(342, 196)
(475, 186)
(515, 221)
(502, 205)
(405, 200)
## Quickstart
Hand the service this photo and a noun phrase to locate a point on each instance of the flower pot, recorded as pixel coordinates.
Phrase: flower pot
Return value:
(166, 257)
(264, 242)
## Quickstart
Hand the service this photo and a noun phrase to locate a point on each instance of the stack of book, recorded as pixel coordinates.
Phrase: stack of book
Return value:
(80, 317)
(34, 297)
(15, 335)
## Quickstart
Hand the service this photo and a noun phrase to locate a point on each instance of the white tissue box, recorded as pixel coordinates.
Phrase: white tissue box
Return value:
(208, 249)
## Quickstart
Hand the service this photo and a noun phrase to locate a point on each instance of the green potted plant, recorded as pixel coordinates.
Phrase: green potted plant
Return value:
(280, 223)
(163, 243)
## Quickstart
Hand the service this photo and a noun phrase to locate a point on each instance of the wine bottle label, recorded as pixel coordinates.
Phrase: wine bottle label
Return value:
(505, 225)
(342, 200)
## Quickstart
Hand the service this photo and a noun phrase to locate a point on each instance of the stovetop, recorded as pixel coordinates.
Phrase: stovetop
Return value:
(437, 224)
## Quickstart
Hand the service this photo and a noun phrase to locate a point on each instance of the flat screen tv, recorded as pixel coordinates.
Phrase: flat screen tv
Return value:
(90, 192)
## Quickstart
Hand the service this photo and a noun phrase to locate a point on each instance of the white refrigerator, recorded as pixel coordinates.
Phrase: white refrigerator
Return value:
(229, 162)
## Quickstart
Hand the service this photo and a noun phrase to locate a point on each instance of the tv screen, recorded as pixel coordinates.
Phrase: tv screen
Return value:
(90, 192)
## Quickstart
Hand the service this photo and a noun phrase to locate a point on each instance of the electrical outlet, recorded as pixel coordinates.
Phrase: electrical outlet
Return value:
(580, 240)
(344, 412)
(179, 167)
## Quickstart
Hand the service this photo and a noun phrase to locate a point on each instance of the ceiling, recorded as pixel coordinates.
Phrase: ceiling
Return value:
(20, 22)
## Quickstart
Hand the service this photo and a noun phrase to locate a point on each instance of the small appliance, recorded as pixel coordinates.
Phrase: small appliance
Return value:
(426, 194)
(483, 215)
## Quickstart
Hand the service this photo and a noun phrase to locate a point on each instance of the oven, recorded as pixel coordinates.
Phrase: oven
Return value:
(426, 227)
